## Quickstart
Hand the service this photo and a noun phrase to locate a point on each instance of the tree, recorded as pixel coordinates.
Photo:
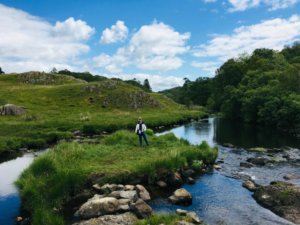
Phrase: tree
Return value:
(54, 70)
(1, 71)
(147, 85)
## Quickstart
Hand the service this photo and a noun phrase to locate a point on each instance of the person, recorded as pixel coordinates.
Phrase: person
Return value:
(140, 130)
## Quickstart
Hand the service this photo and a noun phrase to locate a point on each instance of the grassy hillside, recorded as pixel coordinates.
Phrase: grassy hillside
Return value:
(58, 104)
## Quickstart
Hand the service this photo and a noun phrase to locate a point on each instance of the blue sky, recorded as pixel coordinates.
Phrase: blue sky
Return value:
(162, 40)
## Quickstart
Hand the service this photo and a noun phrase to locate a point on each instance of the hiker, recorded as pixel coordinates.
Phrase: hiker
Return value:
(140, 130)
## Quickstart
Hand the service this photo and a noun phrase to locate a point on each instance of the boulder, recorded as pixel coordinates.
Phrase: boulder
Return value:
(141, 209)
(174, 180)
(143, 193)
(121, 219)
(161, 184)
(291, 177)
(250, 185)
(97, 206)
(11, 110)
(108, 188)
(260, 161)
(181, 197)
(131, 195)
(129, 187)
(282, 198)
(195, 218)
(246, 164)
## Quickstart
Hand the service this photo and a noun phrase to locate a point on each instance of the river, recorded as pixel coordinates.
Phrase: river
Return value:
(218, 196)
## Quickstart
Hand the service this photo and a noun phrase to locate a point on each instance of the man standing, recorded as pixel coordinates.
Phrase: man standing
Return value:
(140, 130)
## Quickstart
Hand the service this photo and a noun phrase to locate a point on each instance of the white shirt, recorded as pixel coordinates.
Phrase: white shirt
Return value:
(137, 128)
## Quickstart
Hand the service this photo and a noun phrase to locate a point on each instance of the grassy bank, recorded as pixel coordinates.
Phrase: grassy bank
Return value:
(169, 219)
(57, 105)
(62, 172)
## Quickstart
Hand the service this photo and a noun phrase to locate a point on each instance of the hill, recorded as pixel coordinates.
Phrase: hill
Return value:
(57, 105)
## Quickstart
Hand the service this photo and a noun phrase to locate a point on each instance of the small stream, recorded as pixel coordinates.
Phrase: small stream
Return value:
(218, 196)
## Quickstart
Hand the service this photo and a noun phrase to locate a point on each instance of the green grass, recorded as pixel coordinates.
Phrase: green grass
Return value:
(167, 219)
(62, 172)
(61, 104)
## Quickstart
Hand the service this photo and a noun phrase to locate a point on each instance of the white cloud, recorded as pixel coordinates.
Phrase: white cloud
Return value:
(117, 32)
(73, 29)
(208, 66)
(241, 5)
(152, 47)
(157, 82)
(273, 34)
(31, 43)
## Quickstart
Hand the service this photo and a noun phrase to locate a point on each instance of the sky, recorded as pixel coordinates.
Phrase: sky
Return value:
(161, 40)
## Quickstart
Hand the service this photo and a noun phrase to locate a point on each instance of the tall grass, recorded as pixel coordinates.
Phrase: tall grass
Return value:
(62, 172)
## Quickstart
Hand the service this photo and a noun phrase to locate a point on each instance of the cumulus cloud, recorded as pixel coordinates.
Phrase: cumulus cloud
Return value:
(242, 5)
(31, 43)
(157, 82)
(273, 34)
(153, 47)
(117, 32)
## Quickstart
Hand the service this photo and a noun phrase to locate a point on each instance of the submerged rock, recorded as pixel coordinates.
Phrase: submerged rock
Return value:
(11, 110)
(260, 161)
(246, 164)
(291, 177)
(181, 197)
(121, 219)
(282, 198)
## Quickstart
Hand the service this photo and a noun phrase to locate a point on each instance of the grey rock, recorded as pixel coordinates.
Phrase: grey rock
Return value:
(11, 110)
(250, 185)
(246, 164)
(181, 212)
(97, 206)
(121, 219)
(141, 209)
(195, 218)
(181, 197)
(161, 184)
(291, 177)
(143, 193)
(131, 195)
(129, 187)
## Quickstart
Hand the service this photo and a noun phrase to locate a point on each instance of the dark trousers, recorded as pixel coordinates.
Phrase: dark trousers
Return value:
(143, 135)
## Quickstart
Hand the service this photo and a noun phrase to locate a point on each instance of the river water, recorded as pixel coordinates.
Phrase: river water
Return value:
(218, 196)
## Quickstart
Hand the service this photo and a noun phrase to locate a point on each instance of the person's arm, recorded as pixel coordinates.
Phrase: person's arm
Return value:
(136, 128)
(145, 128)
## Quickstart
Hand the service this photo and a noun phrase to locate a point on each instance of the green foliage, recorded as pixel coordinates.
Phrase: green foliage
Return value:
(261, 88)
(83, 76)
(149, 132)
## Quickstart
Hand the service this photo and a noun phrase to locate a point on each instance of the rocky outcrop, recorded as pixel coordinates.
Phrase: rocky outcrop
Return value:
(181, 197)
(11, 110)
(121, 219)
(282, 198)
(115, 199)
(250, 185)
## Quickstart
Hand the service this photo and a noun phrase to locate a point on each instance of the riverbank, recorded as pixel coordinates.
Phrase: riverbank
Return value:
(59, 175)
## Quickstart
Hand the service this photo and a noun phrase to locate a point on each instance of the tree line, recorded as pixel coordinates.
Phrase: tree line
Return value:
(263, 88)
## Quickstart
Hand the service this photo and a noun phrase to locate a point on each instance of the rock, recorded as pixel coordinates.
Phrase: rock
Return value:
(19, 219)
(124, 201)
(98, 207)
(11, 110)
(181, 212)
(109, 188)
(195, 218)
(161, 184)
(190, 180)
(175, 180)
(282, 198)
(246, 164)
(217, 167)
(291, 177)
(250, 185)
(131, 195)
(97, 187)
(143, 193)
(187, 173)
(121, 219)
(123, 208)
(181, 197)
(260, 161)
(228, 145)
(129, 187)
(258, 149)
(183, 222)
(141, 209)
(115, 194)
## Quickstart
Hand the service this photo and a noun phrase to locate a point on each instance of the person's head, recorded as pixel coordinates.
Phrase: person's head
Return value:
(140, 120)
